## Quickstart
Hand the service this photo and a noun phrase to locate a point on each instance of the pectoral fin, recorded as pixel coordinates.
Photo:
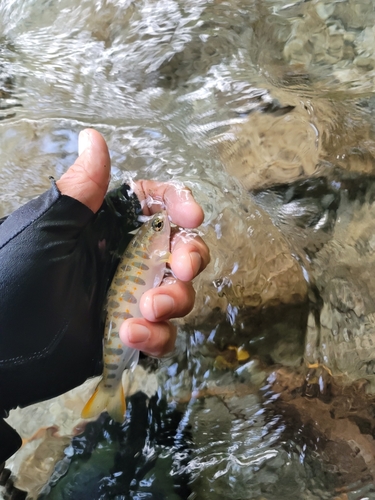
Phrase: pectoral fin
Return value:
(167, 258)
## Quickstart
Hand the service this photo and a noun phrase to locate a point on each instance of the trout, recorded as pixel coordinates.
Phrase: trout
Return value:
(141, 267)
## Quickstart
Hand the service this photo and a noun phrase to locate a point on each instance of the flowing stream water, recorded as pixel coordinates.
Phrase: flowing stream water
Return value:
(265, 109)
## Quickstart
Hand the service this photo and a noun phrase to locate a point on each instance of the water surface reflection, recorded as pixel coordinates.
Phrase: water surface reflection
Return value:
(266, 111)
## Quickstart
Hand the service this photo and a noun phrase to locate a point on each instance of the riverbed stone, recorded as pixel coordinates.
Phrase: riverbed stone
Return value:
(343, 275)
(272, 147)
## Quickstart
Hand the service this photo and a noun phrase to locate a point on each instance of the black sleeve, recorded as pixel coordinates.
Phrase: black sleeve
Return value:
(57, 259)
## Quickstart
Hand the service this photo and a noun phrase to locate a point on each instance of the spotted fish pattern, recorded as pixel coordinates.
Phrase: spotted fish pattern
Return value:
(142, 267)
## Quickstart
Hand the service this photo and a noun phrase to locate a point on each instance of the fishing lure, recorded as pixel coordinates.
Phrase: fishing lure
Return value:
(142, 267)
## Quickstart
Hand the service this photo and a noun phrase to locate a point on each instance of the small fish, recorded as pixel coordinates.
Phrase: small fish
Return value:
(142, 267)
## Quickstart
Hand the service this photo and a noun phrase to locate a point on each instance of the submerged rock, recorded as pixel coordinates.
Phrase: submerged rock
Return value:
(273, 147)
(336, 422)
(342, 338)
(252, 265)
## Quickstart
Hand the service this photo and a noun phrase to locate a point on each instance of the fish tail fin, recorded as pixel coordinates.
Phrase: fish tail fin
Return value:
(97, 402)
(116, 406)
(102, 399)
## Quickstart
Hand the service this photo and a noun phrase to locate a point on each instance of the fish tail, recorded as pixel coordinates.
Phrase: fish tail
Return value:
(102, 399)
(116, 406)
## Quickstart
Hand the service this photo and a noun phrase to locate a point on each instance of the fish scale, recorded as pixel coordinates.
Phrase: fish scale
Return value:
(142, 267)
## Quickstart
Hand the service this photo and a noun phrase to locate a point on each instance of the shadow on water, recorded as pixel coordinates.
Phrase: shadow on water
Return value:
(134, 460)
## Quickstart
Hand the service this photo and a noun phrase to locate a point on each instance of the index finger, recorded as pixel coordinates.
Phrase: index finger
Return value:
(178, 199)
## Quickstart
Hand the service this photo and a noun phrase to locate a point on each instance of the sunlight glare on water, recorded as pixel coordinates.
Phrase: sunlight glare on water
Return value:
(265, 110)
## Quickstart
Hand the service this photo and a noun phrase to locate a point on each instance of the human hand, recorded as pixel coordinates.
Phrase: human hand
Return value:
(87, 181)
(57, 257)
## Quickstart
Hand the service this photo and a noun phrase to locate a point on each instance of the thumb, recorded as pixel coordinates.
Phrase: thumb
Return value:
(87, 179)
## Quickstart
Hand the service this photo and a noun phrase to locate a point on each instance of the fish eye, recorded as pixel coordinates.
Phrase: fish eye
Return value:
(157, 224)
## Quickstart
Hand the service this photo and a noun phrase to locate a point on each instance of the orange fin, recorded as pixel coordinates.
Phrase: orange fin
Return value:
(167, 258)
(102, 399)
(95, 405)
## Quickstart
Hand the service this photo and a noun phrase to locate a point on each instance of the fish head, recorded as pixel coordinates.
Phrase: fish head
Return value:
(159, 234)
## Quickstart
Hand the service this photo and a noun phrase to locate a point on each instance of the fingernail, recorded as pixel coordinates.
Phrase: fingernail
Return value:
(185, 194)
(138, 333)
(83, 142)
(163, 305)
(196, 262)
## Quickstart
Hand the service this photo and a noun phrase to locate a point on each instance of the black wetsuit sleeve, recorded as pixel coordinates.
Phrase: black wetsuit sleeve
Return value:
(57, 259)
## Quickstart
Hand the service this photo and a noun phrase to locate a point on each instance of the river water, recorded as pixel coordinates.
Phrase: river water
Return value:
(265, 110)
